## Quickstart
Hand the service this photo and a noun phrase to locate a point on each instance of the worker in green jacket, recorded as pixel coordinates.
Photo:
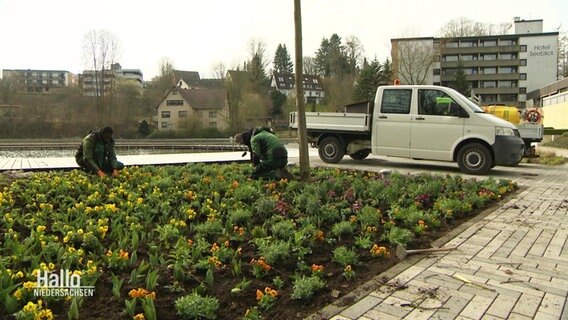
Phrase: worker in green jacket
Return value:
(268, 155)
(96, 153)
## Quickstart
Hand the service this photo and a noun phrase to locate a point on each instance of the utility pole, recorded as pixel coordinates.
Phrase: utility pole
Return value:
(302, 131)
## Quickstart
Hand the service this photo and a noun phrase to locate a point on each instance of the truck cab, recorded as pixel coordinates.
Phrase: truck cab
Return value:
(438, 123)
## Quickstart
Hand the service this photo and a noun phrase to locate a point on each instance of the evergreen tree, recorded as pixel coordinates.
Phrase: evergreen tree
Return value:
(282, 60)
(372, 75)
(331, 58)
(460, 83)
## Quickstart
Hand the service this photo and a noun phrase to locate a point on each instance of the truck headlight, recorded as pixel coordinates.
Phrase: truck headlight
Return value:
(504, 131)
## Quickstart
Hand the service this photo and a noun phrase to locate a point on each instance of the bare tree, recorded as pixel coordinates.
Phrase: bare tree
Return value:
(219, 71)
(310, 66)
(355, 52)
(412, 60)
(465, 27)
(101, 49)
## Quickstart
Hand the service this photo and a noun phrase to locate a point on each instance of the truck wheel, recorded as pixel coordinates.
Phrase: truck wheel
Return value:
(360, 155)
(331, 150)
(474, 158)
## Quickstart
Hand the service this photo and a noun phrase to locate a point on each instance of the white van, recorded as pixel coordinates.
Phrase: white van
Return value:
(420, 122)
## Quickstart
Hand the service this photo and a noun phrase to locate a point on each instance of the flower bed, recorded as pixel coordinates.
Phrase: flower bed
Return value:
(203, 241)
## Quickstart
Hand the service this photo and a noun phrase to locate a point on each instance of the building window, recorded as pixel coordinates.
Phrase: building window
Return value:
(507, 42)
(470, 70)
(174, 91)
(523, 90)
(468, 57)
(468, 44)
(174, 102)
(212, 124)
(489, 70)
(450, 58)
(523, 62)
(182, 114)
(489, 97)
(507, 97)
(507, 84)
(212, 114)
(507, 70)
(452, 44)
(165, 114)
(488, 84)
(523, 48)
(523, 76)
(436, 72)
(489, 56)
(508, 56)
(164, 124)
(488, 43)
(449, 71)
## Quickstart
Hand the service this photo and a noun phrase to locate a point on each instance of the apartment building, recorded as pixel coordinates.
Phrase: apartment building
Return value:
(501, 69)
(40, 81)
(89, 80)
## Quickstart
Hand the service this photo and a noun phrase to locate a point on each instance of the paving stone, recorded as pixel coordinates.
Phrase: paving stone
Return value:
(476, 308)
(452, 308)
(549, 286)
(338, 317)
(361, 307)
(552, 304)
(502, 306)
(544, 316)
(420, 314)
(516, 316)
(378, 315)
(527, 305)
(391, 306)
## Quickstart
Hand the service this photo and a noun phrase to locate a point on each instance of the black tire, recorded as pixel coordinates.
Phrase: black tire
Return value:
(331, 150)
(474, 158)
(360, 155)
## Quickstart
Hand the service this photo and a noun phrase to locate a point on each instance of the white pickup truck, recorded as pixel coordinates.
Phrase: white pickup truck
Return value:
(419, 122)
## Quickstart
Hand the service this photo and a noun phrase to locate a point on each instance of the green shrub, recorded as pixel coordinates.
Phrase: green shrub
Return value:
(306, 287)
(194, 306)
(397, 235)
(345, 256)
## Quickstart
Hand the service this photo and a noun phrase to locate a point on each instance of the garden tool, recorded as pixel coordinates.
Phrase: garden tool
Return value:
(401, 252)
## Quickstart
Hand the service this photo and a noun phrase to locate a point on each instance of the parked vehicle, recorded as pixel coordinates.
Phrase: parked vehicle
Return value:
(419, 122)
(528, 122)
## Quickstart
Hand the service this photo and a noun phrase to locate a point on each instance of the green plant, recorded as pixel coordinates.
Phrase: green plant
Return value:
(364, 241)
(284, 229)
(273, 251)
(267, 298)
(306, 287)
(343, 228)
(194, 306)
(345, 256)
(396, 235)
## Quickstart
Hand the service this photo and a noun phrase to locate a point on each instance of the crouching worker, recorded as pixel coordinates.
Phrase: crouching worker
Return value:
(268, 155)
(96, 153)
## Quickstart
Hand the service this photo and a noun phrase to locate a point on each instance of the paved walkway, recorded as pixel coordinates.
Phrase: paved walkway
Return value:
(511, 263)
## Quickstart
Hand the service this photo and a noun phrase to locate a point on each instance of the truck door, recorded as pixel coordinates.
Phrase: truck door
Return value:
(437, 127)
(391, 124)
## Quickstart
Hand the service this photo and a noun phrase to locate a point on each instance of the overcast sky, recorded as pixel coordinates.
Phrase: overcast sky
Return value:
(197, 35)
